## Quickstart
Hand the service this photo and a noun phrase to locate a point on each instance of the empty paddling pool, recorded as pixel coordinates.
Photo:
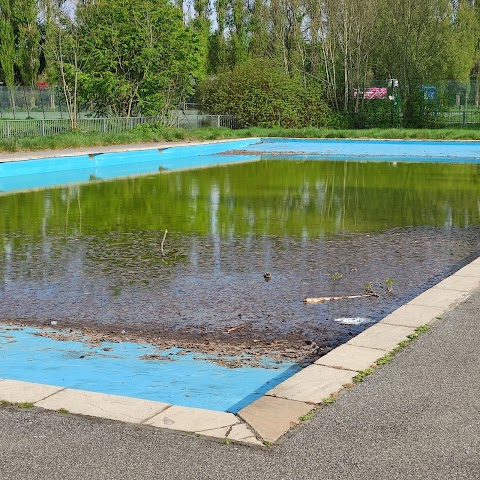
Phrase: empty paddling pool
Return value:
(141, 274)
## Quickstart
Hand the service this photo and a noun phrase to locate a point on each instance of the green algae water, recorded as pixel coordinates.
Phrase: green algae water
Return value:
(279, 198)
(89, 255)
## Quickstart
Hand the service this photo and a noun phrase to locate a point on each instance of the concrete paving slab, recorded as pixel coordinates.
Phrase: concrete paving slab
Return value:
(460, 282)
(272, 417)
(313, 384)
(113, 407)
(253, 441)
(413, 315)
(382, 336)
(195, 420)
(470, 270)
(241, 433)
(438, 297)
(350, 357)
(25, 392)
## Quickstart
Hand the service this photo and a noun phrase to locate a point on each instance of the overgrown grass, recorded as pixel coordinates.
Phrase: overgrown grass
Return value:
(167, 134)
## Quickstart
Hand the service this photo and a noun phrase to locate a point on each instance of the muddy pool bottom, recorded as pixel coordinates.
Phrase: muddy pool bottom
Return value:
(209, 295)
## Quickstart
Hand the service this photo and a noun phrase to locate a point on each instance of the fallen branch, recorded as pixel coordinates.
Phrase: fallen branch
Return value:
(163, 241)
(345, 297)
(235, 329)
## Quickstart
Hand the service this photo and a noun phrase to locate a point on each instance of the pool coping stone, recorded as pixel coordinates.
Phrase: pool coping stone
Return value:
(95, 150)
(112, 407)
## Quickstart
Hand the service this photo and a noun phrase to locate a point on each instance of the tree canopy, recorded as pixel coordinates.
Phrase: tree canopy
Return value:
(145, 57)
(138, 57)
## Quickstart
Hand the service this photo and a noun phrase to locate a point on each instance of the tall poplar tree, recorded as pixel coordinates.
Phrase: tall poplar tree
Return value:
(7, 48)
(27, 58)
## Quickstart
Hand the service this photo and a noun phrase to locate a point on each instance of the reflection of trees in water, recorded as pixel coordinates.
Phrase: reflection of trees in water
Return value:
(311, 199)
(299, 221)
(280, 198)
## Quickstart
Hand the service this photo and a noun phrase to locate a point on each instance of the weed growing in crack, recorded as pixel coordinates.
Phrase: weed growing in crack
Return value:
(16, 404)
(307, 416)
(362, 374)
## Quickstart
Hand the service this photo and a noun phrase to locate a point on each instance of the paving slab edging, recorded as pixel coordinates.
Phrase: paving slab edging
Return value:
(267, 419)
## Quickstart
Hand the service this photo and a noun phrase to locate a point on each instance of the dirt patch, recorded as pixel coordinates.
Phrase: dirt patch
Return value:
(271, 153)
(157, 358)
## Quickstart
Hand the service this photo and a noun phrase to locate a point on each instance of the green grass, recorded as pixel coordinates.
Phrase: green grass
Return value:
(308, 416)
(16, 404)
(168, 134)
(362, 374)
(410, 338)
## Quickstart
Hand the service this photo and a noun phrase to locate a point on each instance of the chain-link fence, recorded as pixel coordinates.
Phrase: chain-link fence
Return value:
(41, 110)
(40, 102)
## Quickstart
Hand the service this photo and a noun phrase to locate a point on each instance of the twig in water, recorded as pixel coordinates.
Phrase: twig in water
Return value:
(236, 328)
(163, 241)
(345, 297)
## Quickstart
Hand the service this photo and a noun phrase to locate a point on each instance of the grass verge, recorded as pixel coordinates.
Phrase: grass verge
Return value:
(168, 134)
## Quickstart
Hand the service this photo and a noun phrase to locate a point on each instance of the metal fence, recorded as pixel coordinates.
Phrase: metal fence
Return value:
(41, 127)
(459, 118)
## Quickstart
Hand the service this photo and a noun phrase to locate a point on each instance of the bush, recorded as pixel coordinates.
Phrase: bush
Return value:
(376, 114)
(259, 93)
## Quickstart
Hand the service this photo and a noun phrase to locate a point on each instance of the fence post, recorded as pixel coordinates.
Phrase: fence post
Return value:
(464, 118)
(218, 120)
(8, 128)
(104, 125)
(43, 126)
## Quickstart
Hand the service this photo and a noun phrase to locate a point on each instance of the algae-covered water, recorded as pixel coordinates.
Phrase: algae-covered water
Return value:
(90, 256)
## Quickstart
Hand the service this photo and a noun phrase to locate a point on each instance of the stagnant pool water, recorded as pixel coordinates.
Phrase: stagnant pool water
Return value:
(89, 258)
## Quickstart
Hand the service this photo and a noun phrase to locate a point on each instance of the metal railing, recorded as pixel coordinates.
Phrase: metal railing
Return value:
(42, 127)
(459, 118)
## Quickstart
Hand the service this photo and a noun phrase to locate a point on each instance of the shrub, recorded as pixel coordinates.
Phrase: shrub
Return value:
(259, 93)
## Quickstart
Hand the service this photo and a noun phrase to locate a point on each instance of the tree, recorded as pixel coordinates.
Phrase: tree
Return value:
(7, 48)
(25, 13)
(61, 49)
(238, 32)
(420, 43)
(137, 57)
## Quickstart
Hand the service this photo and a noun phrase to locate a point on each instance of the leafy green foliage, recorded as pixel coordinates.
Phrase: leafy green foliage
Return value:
(258, 93)
(138, 57)
(7, 43)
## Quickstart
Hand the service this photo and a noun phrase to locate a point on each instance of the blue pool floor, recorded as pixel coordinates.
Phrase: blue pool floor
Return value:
(175, 376)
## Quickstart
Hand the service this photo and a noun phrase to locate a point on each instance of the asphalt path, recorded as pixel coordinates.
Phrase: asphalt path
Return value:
(416, 418)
